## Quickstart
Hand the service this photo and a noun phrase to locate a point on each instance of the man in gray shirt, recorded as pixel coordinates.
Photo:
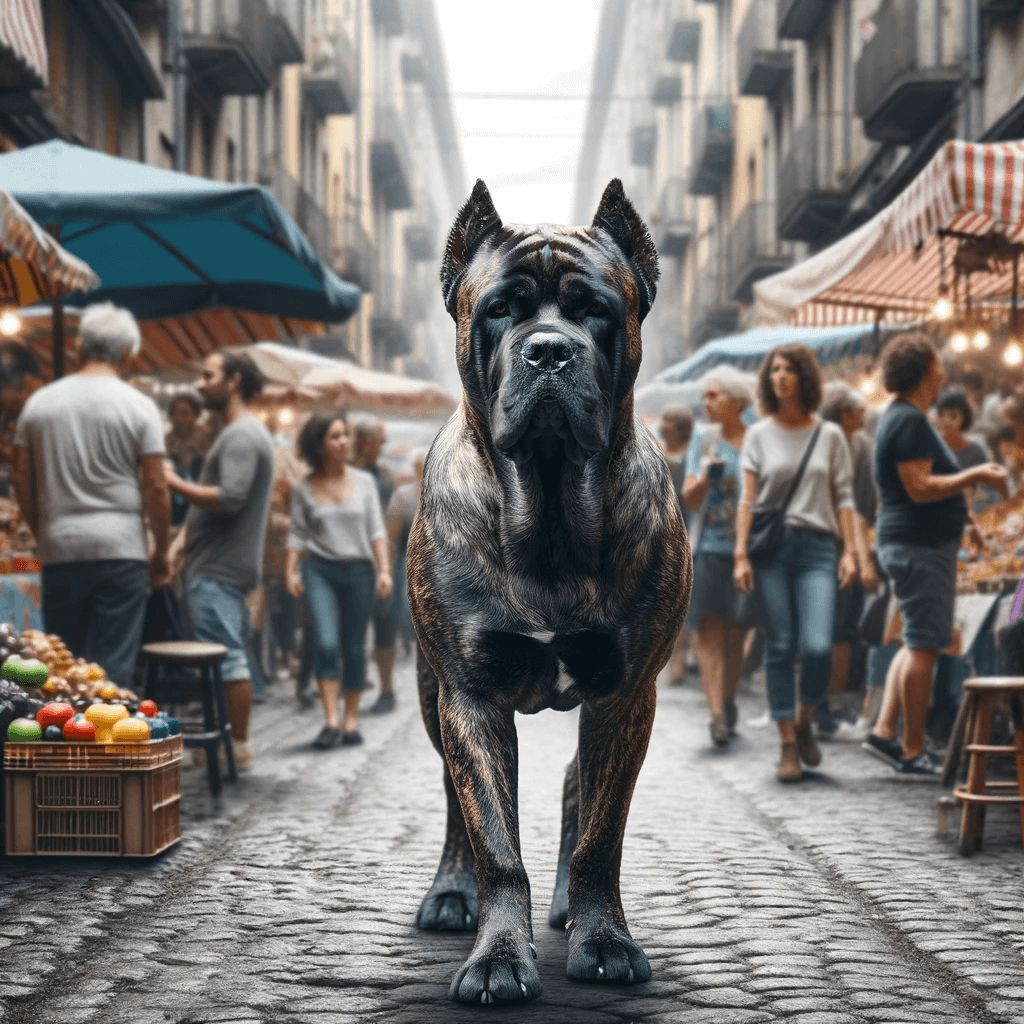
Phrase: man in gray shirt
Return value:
(225, 529)
(81, 445)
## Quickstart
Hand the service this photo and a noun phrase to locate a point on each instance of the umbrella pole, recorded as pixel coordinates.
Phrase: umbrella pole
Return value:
(58, 335)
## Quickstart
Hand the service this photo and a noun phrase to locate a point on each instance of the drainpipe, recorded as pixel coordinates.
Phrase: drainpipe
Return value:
(972, 69)
(176, 39)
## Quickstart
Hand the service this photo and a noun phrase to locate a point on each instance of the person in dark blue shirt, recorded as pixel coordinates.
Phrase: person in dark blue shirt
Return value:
(922, 514)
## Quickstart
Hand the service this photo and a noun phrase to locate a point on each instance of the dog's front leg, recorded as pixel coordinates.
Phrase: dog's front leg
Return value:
(614, 732)
(481, 749)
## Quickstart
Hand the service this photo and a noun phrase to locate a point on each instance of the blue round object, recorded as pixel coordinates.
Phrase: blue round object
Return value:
(174, 725)
(79, 718)
(158, 729)
(53, 733)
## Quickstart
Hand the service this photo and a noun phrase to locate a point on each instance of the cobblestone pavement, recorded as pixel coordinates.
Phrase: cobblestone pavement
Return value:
(292, 898)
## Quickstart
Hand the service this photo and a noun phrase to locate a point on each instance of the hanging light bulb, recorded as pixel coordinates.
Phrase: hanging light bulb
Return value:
(1013, 354)
(285, 416)
(959, 343)
(10, 323)
(980, 339)
(868, 386)
(943, 308)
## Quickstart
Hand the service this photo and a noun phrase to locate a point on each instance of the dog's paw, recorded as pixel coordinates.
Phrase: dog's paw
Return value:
(605, 953)
(449, 907)
(558, 912)
(500, 970)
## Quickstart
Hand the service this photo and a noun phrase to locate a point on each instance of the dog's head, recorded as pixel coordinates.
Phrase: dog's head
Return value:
(548, 323)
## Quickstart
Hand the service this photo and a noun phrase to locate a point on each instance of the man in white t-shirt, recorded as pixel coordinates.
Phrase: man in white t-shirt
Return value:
(82, 445)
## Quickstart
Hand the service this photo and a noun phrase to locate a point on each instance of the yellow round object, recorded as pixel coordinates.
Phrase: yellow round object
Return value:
(109, 692)
(131, 730)
(105, 717)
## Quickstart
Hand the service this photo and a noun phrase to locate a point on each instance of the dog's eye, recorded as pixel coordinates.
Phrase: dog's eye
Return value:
(498, 310)
(597, 309)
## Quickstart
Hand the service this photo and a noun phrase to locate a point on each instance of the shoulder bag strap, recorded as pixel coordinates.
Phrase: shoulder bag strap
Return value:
(800, 470)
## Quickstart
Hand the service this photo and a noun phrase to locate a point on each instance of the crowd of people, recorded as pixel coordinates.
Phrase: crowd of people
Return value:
(781, 510)
(221, 511)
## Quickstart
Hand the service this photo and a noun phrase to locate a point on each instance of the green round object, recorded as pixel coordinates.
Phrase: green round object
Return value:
(30, 672)
(9, 667)
(23, 730)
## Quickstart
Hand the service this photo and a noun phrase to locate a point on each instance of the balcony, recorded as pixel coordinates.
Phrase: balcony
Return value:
(331, 85)
(901, 89)
(712, 314)
(387, 17)
(286, 32)
(755, 250)
(310, 216)
(390, 160)
(228, 45)
(390, 339)
(354, 253)
(667, 90)
(421, 232)
(684, 43)
(713, 144)
(677, 229)
(643, 143)
(799, 19)
(762, 66)
(827, 153)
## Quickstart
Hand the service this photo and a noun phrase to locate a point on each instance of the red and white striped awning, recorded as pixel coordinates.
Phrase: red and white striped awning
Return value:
(21, 36)
(888, 269)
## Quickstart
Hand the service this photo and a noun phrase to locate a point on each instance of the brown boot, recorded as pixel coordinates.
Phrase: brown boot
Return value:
(810, 754)
(789, 764)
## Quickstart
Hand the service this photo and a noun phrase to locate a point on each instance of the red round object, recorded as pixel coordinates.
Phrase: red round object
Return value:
(82, 731)
(149, 708)
(54, 713)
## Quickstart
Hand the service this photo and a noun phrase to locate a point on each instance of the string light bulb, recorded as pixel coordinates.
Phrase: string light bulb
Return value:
(285, 417)
(980, 339)
(868, 386)
(1013, 354)
(943, 308)
(959, 343)
(10, 323)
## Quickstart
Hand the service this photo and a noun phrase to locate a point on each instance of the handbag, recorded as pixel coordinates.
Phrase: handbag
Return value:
(768, 524)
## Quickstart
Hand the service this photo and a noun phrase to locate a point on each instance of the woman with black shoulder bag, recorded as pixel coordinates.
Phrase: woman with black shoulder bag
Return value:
(794, 539)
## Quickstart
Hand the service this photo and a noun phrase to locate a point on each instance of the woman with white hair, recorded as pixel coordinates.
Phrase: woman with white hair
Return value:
(717, 610)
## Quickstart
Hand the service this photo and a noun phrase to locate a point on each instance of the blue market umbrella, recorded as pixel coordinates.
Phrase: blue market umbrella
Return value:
(165, 244)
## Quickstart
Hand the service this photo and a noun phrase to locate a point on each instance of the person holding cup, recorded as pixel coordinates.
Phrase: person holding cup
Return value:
(711, 487)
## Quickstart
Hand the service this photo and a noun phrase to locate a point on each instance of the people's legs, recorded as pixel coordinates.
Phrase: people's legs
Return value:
(677, 659)
(917, 691)
(814, 591)
(321, 589)
(711, 658)
(117, 608)
(356, 601)
(385, 635)
(892, 698)
(732, 649)
(775, 599)
(67, 593)
(840, 667)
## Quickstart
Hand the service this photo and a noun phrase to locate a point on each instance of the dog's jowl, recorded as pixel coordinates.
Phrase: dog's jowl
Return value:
(548, 568)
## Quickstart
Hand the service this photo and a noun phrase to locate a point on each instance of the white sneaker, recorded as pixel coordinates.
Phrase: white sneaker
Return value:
(852, 732)
(762, 722)
(243, 756)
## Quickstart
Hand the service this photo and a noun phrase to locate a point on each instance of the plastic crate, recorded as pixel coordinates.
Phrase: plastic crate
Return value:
(110, 812)
(82, 757)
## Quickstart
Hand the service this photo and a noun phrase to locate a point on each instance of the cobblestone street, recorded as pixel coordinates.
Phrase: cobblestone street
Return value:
(293, 898)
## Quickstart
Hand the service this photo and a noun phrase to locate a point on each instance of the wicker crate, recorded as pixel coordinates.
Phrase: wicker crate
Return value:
(84, 757)
(107, 811)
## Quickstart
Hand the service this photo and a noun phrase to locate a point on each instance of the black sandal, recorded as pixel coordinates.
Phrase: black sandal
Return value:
(351, 739)
(328, 737)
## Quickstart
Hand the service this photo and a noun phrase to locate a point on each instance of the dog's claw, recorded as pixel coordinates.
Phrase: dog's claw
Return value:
(632, 976)
(533, 950)
(523, 987)
(600, 972)
(486, 997)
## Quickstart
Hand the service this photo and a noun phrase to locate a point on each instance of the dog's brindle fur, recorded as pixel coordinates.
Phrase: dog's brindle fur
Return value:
(548, 567)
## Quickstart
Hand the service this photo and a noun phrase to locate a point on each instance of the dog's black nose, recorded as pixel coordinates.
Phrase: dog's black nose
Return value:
(548, 352)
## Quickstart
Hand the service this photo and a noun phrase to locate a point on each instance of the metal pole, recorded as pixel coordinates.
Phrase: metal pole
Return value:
(176, 31)
(57, 320)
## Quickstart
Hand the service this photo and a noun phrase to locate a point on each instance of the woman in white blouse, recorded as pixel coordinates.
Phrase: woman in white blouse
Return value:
(336, 522)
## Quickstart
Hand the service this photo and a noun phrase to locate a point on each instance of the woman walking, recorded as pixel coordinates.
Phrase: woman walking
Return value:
(336, 522)
(921, 517)
(796, 582)
(717, 610)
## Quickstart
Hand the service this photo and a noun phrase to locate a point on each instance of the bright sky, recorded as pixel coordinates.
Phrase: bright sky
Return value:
(526, 150)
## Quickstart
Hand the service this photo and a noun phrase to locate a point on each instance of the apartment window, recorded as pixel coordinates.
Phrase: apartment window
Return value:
(231, 171)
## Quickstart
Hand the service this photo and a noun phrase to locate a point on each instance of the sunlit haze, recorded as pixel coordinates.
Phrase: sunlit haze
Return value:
(525, 149)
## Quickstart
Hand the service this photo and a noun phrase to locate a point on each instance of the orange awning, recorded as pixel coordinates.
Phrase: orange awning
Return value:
(889, 268)
(21, 35)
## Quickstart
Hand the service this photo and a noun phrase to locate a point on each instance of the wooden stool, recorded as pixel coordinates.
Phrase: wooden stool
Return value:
(215, 726)
(972, 734)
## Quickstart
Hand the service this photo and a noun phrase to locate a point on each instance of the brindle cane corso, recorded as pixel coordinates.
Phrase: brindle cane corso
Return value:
(548, 568)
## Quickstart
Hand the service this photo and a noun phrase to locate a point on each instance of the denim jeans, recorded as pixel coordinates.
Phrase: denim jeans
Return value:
(340, 596)
(796, 593)
(220, 616)
(97, 608)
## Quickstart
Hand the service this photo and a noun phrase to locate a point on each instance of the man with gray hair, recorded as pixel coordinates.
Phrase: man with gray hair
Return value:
(82, 444)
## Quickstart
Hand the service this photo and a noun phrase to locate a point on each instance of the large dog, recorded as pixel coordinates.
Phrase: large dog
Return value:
(548, 568)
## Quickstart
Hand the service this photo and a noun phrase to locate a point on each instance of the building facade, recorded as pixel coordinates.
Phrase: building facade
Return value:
(751, 133)
(340, 107)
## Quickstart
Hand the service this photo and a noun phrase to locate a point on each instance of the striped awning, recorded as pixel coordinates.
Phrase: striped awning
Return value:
(888, 270)
(22, 45)
(33, 265)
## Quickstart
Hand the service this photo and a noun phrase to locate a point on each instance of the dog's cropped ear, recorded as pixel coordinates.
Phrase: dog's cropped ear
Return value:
(616, 215)
(476, 220)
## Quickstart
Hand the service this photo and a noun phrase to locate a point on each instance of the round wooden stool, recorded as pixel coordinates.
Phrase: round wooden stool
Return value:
(215, 727)
(972, 734)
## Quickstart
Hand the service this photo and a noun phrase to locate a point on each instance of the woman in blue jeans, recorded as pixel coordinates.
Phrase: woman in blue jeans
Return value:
(336, 522)
(796, 588)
